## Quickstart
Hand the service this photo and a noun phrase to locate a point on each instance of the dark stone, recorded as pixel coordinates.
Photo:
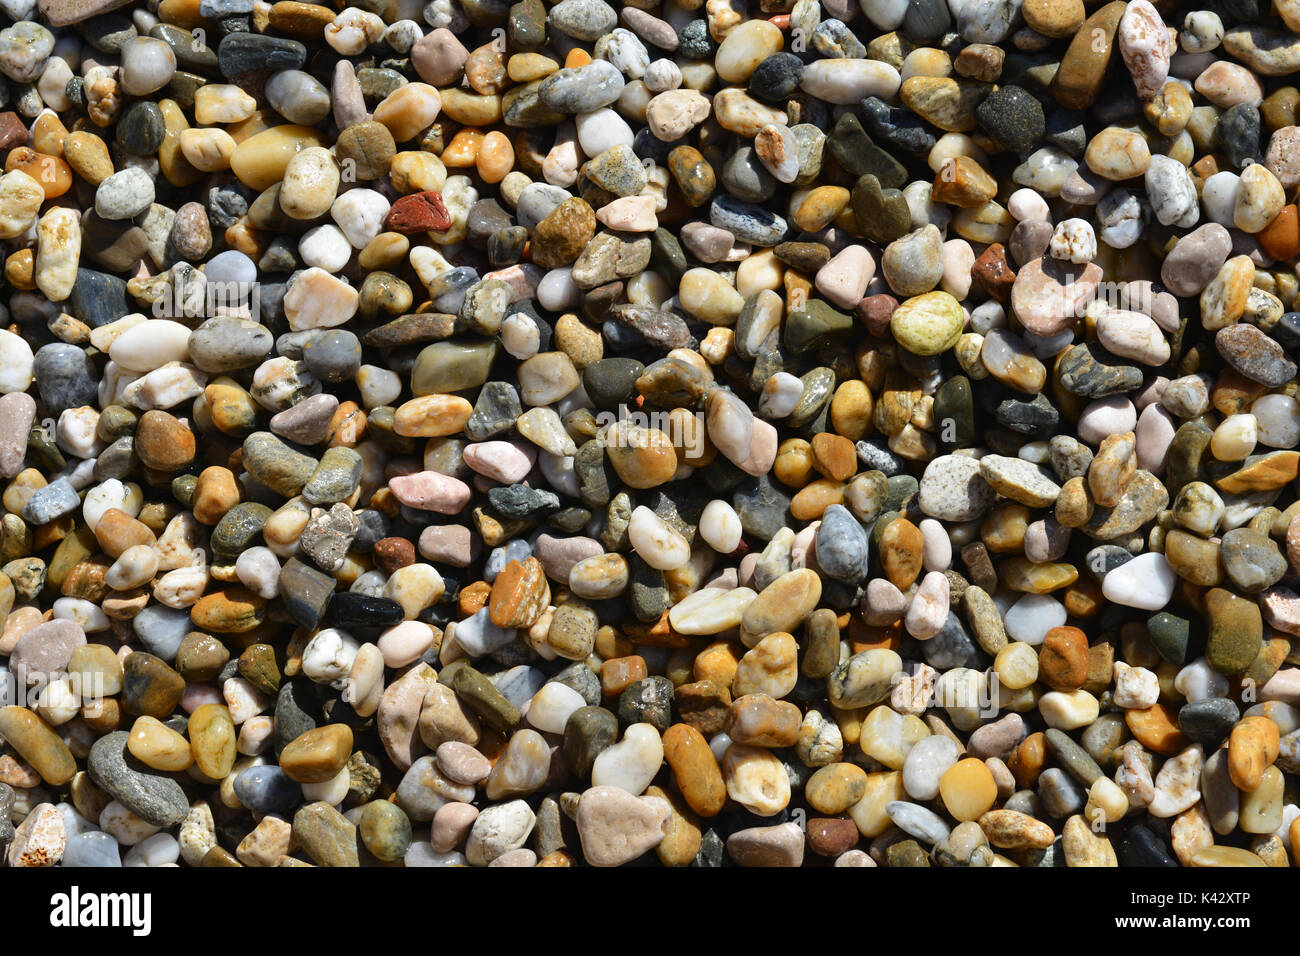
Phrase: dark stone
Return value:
(1072, 757)
(583, 679)
(851, 147)
(65, 378)
(522, 502)
(882, 214)
(649, 701)
(763, 510)
(1065, 130)
(1237, 135)
(495, 411)
(241, 53)
(157, 799)
(776, 78)
(1087, 370)
(1171, 635)
(350, 609)
(896, 127)
(140, 129)
(149, 686)
(694, 42)
(954, 412)
(816, 326)
(480, 695)
(297, 710)
(1141, 847)
(333, 356)
(647, 594)
(611, 382)
(1012, 117)
(1105, 558)
(876, 457)
(267, 789)
(926, 21)
(588, 731)
(305, 592)
(1208, 721)
(1028, 418)
(97, 298)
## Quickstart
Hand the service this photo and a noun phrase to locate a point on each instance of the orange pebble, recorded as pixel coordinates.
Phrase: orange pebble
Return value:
(463, 149)
(48, 134)
(244, 238)
(473, 598)
(1281, 237)
(1156, 729)
(20, 270)
(54, 175)
(619, 674)
(577, 57)
(496, 157)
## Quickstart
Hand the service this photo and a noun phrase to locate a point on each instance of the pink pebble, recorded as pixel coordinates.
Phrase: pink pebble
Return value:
(1046, 540)
(1155, 433)
(958, 259)
(763, 442)
(762, 449)
(403, 643)
(1151, 394)
(1281, 608)
(936, 549)
(884, 603)
(431, 491)
(559, 555)
(255, 735)
(452, 544)
(1106, 416)
(520, 857)
(1026, 204)
(451, 826)
(1283, 686)
(196, 695)
(745, 572)
(929, 608)
(727, 579)
(843, 280)
(439, 57)
(801, 552)
(501, 461)
(522, 279)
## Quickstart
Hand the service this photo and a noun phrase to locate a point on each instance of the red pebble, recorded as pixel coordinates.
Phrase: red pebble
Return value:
(421, 212)
(875, 311)
(13, 132)
(994, 273)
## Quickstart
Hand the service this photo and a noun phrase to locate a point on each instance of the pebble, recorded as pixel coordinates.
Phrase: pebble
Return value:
(616, 827)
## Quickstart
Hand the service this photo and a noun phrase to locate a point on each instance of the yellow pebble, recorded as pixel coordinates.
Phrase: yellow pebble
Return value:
(527, 67)
(154, 743)
(968, 789)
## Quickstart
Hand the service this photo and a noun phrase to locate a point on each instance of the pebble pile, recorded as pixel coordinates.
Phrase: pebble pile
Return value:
(684, 432)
